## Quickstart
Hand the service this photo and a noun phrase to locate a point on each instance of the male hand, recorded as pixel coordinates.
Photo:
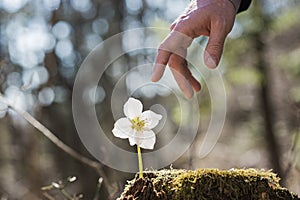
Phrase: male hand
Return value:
(213, 18)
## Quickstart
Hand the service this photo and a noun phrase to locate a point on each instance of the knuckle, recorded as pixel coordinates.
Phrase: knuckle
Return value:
(216, 46)
(222, 24)
(162, 47)
(166, 45)
(182, 26)
(162, 60)
(220, 20)
(172, 62)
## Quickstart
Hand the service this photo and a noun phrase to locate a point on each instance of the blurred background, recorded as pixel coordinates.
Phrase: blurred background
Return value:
(44, 42)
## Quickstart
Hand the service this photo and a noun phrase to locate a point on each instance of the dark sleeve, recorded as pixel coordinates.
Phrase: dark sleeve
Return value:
(244, 5)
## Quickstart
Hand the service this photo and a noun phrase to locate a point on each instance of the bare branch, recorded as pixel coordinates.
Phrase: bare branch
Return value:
(97, 193)
(48, 134)
(48, 196)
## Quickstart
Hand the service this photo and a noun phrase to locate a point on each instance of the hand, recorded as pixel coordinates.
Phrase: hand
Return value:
(213, 18)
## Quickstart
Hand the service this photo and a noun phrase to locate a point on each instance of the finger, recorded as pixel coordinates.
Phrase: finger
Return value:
(162, 58)
(176, 21)
(195, 83)
(179, 64)
(214, 48)
(183, 84)
(171, 44)
(161, 61)
(174, 41)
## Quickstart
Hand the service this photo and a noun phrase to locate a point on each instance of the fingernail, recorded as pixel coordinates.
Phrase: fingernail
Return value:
(154, 78)
(210, 62)
(183, 84)
(189, 95)
(187, 89)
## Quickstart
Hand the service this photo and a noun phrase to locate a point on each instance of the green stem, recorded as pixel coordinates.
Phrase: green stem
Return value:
(140, 161)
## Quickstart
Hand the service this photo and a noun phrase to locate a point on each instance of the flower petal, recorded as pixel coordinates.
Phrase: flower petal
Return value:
(133, 140)
(133, 108)
(122, 128)
(148, 140)
(135, 137)
(151, 118)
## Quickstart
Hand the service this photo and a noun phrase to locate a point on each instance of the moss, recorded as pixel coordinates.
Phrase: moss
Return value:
(205, 184)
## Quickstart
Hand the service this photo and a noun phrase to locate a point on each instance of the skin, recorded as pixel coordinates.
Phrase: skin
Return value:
(212, 18)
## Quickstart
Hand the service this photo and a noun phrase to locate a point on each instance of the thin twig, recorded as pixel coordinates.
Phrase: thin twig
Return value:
(47, 133)
(65, 194)
(48, 196)
(99, 184)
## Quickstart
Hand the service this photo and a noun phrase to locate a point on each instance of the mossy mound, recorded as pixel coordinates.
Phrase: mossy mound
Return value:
(206, 184)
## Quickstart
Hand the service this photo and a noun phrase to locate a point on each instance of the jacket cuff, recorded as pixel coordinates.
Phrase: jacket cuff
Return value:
(240, 5)
(244, 5)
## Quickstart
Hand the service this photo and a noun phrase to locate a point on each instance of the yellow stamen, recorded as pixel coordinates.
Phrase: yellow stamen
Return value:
(137, 124)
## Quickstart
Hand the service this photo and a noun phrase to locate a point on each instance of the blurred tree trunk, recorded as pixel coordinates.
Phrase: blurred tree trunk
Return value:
(24, 143)
(59, 117)
(267, 109)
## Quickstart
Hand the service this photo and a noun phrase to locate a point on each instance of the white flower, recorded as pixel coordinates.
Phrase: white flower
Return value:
(137, 125)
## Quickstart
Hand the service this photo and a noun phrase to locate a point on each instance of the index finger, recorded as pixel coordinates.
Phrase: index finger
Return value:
(161, 61)
(174, 41)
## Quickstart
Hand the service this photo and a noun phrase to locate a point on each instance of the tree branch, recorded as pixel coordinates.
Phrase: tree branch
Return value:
(48, 134)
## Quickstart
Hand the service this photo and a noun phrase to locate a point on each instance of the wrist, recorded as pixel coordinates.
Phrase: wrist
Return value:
(236, 4)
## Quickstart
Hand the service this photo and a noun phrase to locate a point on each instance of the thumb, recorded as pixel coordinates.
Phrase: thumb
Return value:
(214, 48)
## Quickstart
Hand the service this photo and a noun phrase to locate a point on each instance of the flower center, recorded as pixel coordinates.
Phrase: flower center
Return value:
(137, 124)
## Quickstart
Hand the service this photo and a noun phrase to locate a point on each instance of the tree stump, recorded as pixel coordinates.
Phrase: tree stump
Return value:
(206, 184)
